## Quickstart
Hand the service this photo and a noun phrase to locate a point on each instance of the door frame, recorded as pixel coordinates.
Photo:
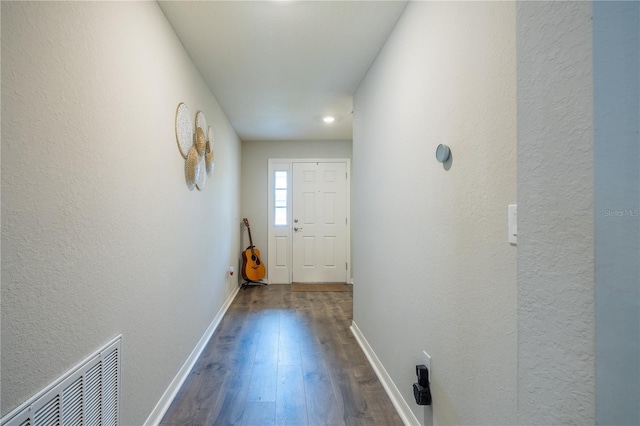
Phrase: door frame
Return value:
(277, 275)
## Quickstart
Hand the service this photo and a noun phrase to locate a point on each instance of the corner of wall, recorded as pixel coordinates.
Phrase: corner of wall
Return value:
(556, 358)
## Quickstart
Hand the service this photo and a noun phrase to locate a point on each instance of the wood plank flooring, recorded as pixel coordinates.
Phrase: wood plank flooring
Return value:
(283, 358)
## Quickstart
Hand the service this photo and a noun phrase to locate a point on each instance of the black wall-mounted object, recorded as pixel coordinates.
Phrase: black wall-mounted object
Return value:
(421, 390)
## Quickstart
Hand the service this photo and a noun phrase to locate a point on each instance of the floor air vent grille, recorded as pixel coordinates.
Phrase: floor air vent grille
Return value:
(87, 395)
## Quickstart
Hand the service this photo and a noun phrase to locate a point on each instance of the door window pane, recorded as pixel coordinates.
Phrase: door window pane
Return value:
(280, 198)
(281, 216)
(281, 180)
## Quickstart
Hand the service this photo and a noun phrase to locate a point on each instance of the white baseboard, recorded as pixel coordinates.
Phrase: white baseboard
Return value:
(167, 398)
(401, 406)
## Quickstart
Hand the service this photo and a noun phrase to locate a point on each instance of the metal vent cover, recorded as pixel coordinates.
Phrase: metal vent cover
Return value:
(87, 395)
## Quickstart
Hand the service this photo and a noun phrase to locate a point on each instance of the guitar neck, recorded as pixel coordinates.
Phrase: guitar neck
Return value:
(250, 239)
(246, 223)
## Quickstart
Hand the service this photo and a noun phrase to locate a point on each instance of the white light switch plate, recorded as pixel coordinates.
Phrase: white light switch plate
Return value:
(513, 224)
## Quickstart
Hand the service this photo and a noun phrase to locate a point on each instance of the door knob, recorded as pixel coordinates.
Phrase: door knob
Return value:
(296, 229)
(295, 220)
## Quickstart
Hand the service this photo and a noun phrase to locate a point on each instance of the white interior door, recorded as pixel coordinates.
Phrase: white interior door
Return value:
(319, 222)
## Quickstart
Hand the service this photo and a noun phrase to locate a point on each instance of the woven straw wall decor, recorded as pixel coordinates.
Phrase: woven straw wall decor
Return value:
(202, 175)
(184, 129)
(201, 141)
(209, 151)
(192, 168)
(195, 146)
(201, 121)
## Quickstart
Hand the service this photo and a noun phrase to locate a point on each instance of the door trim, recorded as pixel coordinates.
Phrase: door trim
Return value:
(278, 275)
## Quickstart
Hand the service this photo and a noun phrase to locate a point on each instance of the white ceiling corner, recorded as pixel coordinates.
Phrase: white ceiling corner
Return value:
(277, 67)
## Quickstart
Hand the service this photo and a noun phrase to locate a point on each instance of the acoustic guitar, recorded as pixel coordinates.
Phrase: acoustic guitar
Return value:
(252, 267)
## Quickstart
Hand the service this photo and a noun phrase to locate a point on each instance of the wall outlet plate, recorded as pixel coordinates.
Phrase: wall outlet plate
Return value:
(426, 358)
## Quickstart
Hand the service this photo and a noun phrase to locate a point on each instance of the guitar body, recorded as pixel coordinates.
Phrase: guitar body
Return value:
(252, 267)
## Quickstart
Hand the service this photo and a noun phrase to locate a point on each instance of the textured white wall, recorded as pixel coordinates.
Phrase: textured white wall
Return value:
(255, 158)
(555, 213)
(100, 234)
(432, 266)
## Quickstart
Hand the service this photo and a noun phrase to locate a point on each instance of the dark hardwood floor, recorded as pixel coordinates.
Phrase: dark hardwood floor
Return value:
(283, 358)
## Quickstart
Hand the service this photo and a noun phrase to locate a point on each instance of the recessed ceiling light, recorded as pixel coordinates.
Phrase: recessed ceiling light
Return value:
(329, 119)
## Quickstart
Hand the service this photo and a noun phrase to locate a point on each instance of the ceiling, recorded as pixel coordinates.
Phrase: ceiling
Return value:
(278, 67)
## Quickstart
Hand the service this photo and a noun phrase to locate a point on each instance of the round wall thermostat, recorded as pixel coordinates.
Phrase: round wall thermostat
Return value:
(442, 153)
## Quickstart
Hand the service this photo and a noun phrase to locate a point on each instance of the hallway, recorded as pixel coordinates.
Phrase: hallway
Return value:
(104, 234)
(283, 357)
